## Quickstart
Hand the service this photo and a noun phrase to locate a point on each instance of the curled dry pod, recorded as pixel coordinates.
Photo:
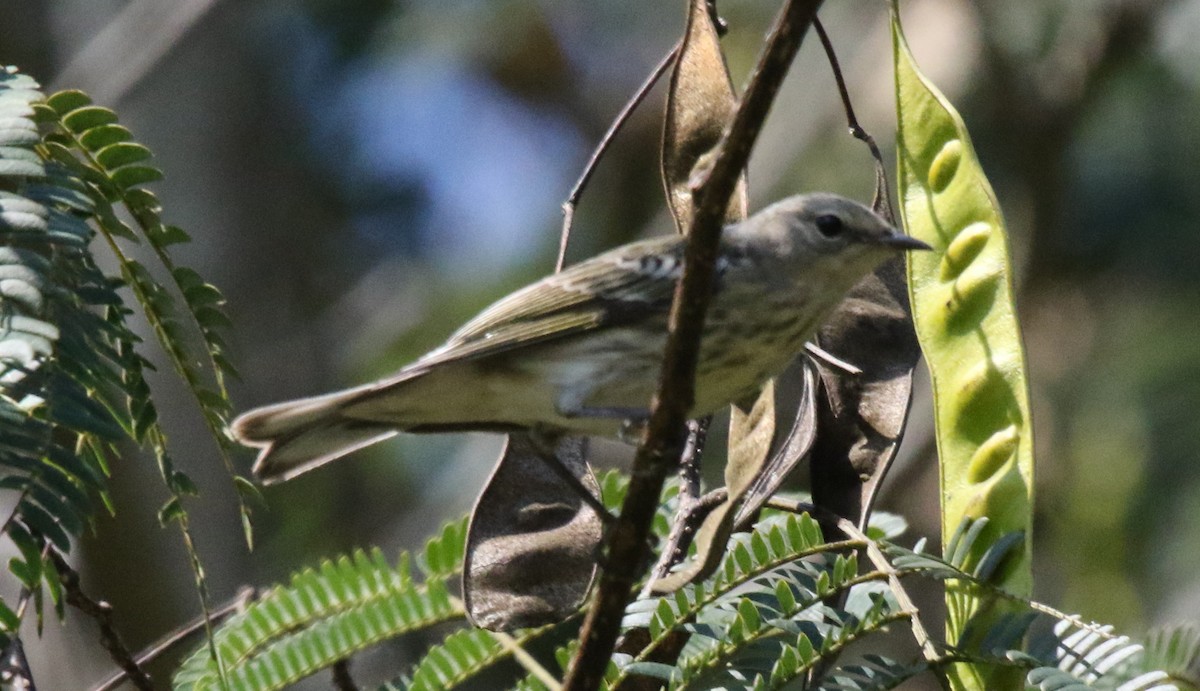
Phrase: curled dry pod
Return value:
(700, 102)
(861, 417)
(532, 542)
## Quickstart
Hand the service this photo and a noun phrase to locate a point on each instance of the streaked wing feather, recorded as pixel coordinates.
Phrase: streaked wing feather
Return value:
(509, 335)
(611, 289)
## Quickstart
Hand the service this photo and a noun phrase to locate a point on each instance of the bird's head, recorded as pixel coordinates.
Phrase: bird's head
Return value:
(838, 233)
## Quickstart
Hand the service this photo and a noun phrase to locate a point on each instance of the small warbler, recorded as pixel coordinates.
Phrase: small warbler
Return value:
(580, 351)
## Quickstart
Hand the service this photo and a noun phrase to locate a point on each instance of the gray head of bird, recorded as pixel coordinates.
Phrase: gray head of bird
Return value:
(826, 230)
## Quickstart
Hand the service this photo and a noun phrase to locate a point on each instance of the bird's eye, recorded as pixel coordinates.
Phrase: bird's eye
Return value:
(829, 225)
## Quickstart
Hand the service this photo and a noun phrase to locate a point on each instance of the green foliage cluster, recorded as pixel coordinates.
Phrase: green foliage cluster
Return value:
(73, 391)
(327, 614)
(784, 609)
(61, 336)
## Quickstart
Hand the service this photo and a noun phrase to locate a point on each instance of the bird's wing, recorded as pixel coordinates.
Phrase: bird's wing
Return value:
(614, 288)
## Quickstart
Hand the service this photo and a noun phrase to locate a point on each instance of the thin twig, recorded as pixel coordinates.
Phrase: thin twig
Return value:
(687, 522)
(903, 599)
(689, 513)
(568, 207)
(102, 612)
(882, 203)
(568, 210)
(202, 594)
(693, 452)
(663, 441)
(526, 660)
(880, 561)
(169, 641)
(342, 681)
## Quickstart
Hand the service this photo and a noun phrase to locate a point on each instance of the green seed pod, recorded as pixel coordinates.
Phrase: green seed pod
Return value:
(962, 301)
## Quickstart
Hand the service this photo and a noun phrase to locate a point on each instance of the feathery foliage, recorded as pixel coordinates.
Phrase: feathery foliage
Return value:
(186, 314)
(72, 371)
(782, 610)
(59, 365)
(1176, 651)
(328, 613)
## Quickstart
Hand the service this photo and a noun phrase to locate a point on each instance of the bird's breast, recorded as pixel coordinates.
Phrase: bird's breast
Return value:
(749, 339)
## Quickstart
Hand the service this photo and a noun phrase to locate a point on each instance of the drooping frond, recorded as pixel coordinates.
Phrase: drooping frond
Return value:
(60, 371)
(72, 371)
(186, 313)
(330, 613)
(1176, 651)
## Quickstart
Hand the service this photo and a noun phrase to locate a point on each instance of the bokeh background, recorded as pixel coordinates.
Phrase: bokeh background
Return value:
(362, 175)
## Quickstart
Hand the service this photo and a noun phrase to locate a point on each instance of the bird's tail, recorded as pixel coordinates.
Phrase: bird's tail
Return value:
(298, 436)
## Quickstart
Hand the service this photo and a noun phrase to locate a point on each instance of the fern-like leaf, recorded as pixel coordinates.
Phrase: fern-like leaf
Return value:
(86, 140)
(58, 373)
(1078, 655)
(779, 540)
(1176, 651)
(72, 385)
(761, 620)
(462, 656)
(329, 613)
(873, 673)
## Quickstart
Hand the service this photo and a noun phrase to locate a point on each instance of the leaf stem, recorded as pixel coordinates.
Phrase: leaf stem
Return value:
(568, 207)
(102, 613)
(526, 660)
(880, 561)
(881, 202)
(173, 638)
(928, 650)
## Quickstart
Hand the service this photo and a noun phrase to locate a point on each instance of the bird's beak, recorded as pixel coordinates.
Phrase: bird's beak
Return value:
(900, 241)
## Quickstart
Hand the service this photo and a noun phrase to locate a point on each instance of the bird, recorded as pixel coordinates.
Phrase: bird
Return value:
(579, 351)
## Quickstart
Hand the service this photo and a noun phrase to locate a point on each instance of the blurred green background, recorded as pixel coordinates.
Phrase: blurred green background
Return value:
(361, 176)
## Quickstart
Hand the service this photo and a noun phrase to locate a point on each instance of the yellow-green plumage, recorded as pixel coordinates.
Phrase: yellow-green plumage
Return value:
(580, 350)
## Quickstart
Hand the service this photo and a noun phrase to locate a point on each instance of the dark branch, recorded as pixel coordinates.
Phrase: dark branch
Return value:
(15, 674)
(688, 518)
(237, 604)
(692, 509)
(664, 439)
(693, 452)
(102, 613)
